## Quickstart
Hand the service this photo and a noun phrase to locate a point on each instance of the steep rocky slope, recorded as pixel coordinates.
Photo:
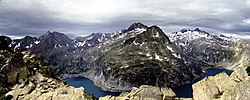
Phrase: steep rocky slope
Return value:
(23, 77)
(220, 51)
(241, 57)
(204, 46)
(52, 48)
(137, 57)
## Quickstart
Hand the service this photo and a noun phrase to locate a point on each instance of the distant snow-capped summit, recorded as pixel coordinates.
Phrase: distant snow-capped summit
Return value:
(137, 25)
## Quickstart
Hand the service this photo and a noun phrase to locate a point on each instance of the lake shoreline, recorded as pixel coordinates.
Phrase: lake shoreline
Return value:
(89, 86)
(96, 82)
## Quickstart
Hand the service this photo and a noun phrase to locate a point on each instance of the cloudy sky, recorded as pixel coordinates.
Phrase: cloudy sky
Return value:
(82, 17)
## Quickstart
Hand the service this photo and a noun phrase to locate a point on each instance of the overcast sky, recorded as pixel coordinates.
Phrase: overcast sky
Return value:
(82, 17)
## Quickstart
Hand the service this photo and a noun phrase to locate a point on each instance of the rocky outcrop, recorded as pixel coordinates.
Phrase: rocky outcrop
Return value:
(16, 65)
(24, 78)
(224, 87)
(38, 87)
(144, 92)
(12, 68)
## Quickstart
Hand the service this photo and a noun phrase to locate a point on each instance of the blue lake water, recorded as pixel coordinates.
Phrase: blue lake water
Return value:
(186, 90)
(182, 91)
(89, 86)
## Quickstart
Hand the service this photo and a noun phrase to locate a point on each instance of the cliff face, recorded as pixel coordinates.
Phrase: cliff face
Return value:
(224, 87)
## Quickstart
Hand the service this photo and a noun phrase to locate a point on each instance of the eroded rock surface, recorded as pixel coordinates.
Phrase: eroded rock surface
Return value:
(41, 88)
(224, 87)
(144, 92)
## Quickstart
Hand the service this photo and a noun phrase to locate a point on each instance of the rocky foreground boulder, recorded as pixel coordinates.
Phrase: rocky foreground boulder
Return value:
(38, 87)
(224, 87)
(144, 92)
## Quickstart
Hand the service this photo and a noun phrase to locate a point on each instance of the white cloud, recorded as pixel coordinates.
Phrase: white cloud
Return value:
(88, 16)
(246, 21)
(14, 36)
(248, 2)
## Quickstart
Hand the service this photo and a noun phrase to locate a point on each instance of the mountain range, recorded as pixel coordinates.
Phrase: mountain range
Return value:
(139, 55)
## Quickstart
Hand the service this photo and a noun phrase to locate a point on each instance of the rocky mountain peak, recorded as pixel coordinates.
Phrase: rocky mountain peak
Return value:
(48, 32)
(53, 33)
(91, 40)
(28, 40)
(136, 25)
(55, 38)
(23, 43)
(29, 37)
(184, 30)
(156, 32)
(197, 29)
(201, 31)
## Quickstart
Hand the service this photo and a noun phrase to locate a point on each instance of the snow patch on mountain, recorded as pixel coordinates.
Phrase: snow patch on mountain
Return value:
(157, 35)
(139, 30)
(36, 42)
(157, 57)
(135, 43)
(170, 48)
(148, 54)
(17, 46)
(29, 46)
(176, 55)
(80, 44)
(57, 46)
(189, 35)
(186, 36)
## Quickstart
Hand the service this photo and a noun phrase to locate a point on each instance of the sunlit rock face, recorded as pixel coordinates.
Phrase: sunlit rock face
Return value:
(39, 87)
(224, 87)
(144, 92)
